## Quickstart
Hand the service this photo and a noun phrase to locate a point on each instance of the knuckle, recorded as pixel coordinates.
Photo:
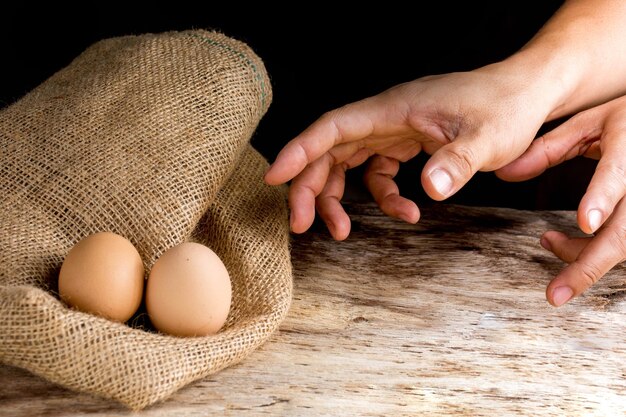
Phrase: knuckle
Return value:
(331, 159)
(464, 159)
(616, 236)
(616, 176)
(384, 164)
(591, 273)
(330, 116)
(338, 173)
(308, 189)
(303, 154)
(379, 165)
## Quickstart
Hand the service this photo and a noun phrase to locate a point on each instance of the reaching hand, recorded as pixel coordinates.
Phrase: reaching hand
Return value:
(469, 122)
(598, 133)
(483, 120)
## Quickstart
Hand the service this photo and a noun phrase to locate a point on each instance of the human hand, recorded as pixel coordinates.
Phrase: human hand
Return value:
(472, 121)
(596, 133)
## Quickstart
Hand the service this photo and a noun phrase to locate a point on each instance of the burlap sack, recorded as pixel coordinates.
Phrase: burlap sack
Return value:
(146, 136)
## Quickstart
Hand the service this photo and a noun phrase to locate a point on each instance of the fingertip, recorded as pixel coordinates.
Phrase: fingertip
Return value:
(336, 220)
(332, 213)
(553, 241)
(552, 235)
(299, 226)
(339, 231)
(594, 220)
(559, 295)
(300, 219)
(589, 216)
(453, 165)
(410, 217)
(290, 161)
(269, 176)
(292, 220)
(438, 183)
(282, 171)
(401, 208)
(410, 214)
(272, 175)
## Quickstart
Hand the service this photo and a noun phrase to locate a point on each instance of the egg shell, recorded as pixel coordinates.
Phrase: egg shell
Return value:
(103, 274)
(188, 291)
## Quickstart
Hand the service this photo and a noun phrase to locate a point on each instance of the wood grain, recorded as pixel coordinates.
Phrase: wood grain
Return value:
(447, 317)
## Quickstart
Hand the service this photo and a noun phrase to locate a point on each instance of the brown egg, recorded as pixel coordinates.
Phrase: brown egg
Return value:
(103, 274)
(188, 291)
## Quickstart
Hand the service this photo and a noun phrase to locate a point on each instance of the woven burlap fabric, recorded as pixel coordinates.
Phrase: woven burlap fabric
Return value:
(146, 136)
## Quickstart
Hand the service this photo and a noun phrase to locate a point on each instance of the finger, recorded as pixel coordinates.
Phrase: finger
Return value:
(329, 207)
(352, 122)
(328, 203)
(608, 184)
(452, 166)
(564, 247)
(303, 191)
(379, 181)
(565, 142)
(603, 252)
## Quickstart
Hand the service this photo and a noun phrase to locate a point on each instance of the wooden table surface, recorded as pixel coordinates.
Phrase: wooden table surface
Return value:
(447, 317)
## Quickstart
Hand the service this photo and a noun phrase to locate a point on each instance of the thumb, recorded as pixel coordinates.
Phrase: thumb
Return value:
(452, 166)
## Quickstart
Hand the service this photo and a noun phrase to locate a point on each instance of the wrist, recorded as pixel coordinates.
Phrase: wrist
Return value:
(553, 79)
(578, 59)
(546, 81)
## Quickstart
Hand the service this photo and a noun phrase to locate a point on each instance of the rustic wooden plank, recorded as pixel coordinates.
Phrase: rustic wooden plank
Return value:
(447, 317)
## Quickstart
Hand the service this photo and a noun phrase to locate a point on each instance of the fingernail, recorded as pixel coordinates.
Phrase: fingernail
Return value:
(442, 181)
(545, 243)
(561, 295)
(594, 217)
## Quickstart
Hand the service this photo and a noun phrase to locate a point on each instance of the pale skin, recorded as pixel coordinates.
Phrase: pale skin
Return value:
(486, 120)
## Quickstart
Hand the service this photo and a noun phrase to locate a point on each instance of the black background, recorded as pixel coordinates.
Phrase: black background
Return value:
(318, 59)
